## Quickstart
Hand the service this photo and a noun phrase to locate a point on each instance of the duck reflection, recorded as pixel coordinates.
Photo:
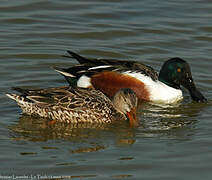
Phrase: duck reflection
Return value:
(38, 129)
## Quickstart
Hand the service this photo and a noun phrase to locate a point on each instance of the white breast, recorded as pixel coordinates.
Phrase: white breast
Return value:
(159, 92)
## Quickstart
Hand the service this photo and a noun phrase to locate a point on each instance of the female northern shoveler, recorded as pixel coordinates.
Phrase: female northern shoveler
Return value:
(78, 105)
(110, 75)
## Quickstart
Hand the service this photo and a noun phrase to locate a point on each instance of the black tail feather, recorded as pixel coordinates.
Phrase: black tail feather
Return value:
(94, 61)
(79, 58)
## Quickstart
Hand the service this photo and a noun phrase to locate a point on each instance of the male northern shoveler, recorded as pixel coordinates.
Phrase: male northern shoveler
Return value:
(110, 75)
(78, 105)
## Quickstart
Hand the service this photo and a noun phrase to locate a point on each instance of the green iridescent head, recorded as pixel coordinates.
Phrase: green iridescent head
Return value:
(176, 72)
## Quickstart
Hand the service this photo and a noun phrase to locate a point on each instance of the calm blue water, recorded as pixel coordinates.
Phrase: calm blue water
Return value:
(173, 142)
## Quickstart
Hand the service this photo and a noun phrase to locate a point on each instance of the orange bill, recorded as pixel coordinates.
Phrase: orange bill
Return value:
(132, 118)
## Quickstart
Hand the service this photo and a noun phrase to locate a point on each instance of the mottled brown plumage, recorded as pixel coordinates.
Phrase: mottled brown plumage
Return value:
(77, 105)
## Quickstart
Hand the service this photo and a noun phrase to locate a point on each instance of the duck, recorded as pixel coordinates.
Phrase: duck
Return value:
(110, 75)
(77, 105)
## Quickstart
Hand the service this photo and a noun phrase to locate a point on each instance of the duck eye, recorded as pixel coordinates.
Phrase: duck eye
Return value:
(178, 70)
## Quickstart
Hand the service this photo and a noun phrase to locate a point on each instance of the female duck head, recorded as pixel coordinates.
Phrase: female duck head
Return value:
(125, 101)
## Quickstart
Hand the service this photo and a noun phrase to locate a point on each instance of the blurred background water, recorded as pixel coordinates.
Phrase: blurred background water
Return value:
(173, 142)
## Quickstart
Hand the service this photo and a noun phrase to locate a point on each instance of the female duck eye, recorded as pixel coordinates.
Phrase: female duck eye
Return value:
(178, 70)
